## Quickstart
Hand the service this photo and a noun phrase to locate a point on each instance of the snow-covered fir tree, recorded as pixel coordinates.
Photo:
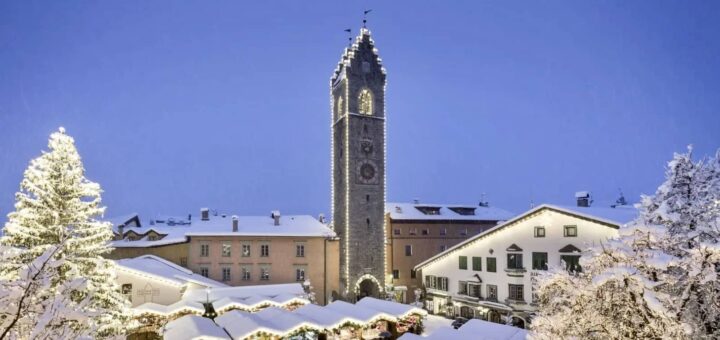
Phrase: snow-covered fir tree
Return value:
(658, 279)
(57, 205)
(686, 204)
(34, 306)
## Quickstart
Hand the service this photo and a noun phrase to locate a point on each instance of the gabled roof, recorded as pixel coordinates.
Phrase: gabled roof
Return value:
(123, 219)
(610, 217)
(161, 269)
(410, 211)
(291, 225)
(193, 327)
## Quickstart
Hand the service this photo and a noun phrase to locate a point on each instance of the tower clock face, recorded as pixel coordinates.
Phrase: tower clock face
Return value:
(367, 172)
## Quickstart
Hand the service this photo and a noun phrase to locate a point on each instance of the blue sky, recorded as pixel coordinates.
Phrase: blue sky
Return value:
(180, 105)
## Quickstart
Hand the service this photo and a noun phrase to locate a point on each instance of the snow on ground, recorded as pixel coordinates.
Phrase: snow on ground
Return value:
(433, 322)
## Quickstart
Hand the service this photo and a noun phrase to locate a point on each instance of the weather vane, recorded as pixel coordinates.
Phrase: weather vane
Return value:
(365, 13)
(349, 36)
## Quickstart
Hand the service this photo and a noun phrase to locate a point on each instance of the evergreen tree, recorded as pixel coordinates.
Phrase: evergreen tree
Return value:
(660, 276)
(57, 205)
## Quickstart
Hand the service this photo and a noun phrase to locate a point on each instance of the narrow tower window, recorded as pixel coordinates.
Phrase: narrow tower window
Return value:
(366, 102)
(340, 107)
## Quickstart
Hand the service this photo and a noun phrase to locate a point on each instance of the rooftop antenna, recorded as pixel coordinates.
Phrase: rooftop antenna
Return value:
(365, 13)
(349, 31)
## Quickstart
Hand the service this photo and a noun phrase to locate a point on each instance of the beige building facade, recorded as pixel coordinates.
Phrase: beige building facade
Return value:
(418, 231)
(239, 250)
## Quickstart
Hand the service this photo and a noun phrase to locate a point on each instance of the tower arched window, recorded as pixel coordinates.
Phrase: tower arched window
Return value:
(340, 109)
(366, 102)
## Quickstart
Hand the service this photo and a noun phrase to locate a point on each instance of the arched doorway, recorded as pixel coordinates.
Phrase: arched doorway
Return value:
(518, 322)
(493, 316)
(367, 287)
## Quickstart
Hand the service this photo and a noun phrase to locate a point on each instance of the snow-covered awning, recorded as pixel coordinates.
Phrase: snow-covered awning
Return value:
(473, 329)
(283, 323)
(193, 327)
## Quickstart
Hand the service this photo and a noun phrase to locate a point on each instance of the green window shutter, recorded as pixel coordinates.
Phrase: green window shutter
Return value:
(477, 263)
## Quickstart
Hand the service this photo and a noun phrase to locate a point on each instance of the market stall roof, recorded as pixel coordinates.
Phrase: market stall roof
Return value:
(193, 327)
(398, 310)
(473, 329)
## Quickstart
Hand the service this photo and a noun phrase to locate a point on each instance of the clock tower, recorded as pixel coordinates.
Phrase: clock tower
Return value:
(357, 90)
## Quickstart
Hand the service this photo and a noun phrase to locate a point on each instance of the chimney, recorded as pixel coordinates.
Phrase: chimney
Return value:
(204, 214)
(416, 200)
(275, 214)
(121, 231)
(583, 198)
(321, 218)
(235, 223)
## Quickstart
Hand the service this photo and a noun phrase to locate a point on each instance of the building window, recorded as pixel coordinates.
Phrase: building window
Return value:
(430, 281)
(204, 250)
(300, 274)
(264, 250)
(396, 274)
(204, 271)
(226, 274)
(442, 283)
(413, 231)
(183, 261)
(126, 290)
(572, 262)
(340, 106)
(477, 263)
(491, 264)
(570, 231)
(474, 290)
(443, 247)
(396, 231)
(299, 250)
(226, 248)
(264, 273)
(152, 238)
(443, 231)
(246, 274)
(539, 231)
(464, 232)
(426, 231)
(408, 250)
(366, 102)
(515, 292)
(245, 250)
(413, 274)
(539, 261)
(462, 262)
(492, 292)
(514, 261)
(429, 210)
(462, 288)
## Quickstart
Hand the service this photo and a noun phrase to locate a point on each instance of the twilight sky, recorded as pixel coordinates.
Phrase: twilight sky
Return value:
(175, 106)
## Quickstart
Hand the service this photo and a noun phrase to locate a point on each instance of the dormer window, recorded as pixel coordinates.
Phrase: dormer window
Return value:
(465, 211)
(429, 210)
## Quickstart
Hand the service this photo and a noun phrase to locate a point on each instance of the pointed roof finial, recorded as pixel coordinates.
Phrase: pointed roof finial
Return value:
(365, 13)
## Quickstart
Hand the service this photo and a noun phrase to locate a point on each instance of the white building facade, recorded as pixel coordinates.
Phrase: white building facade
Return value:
(491, 275)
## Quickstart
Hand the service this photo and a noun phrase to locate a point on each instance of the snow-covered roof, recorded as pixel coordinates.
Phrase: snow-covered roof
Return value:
(227, 298)
(161, 269)
(350, 52)
(122, 219)
(613, 217)
(413, 211)
(192, 327)
(473, 329)
(281, 323)
(221, 225)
